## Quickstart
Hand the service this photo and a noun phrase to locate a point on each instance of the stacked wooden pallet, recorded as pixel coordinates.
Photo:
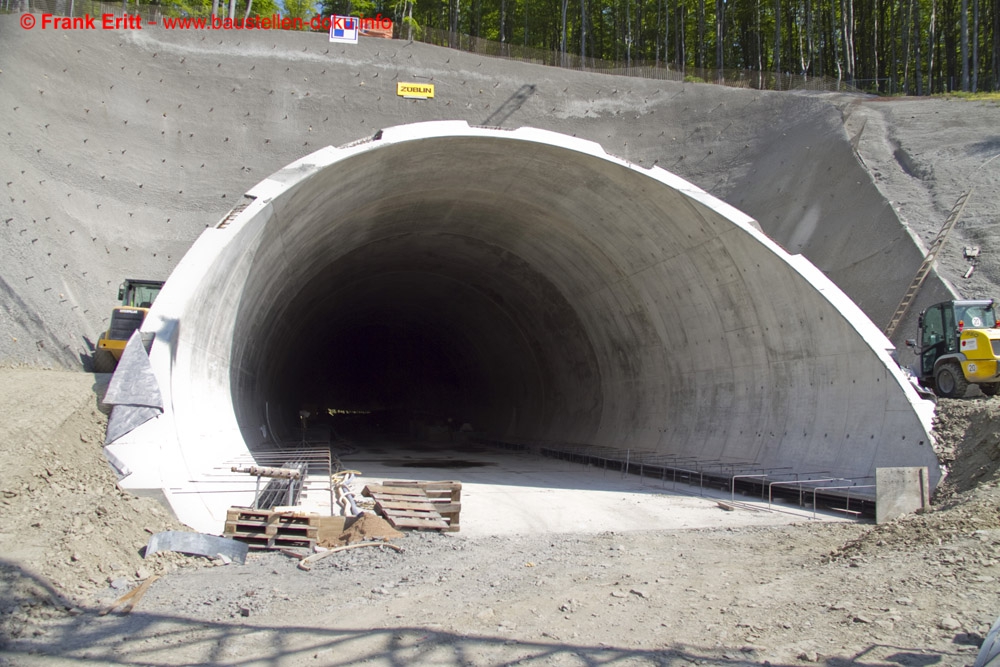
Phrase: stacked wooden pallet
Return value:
(270, 529)
(416, 505)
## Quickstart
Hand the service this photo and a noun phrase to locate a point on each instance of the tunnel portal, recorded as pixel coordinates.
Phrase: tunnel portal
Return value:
(527, 283)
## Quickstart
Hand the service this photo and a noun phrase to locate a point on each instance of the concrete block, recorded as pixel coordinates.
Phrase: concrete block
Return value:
(900, 491)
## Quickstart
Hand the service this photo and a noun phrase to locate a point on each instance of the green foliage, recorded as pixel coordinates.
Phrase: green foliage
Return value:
(895, 48)
(263, 8)
(360, 8)
(300, 9)
(693, 79)
(409, 23)
(204, 8)
(899, 46)
(187, 7)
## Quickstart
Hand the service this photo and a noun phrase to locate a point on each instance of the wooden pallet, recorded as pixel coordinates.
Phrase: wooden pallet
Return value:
(268, 529)
(416, 505)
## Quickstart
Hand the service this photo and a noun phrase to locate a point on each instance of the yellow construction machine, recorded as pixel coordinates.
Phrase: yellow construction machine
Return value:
(959, 345)
(136, 297)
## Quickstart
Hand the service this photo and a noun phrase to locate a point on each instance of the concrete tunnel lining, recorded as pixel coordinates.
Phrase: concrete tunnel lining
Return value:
(580, 298)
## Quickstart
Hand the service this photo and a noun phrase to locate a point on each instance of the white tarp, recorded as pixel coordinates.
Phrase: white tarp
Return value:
(133, 392)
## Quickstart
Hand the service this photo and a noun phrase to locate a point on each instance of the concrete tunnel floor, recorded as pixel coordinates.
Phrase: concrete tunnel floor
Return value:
(527, 283)
(511, 493)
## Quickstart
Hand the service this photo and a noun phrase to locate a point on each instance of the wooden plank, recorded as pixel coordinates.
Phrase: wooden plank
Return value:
(413, 514)
(424, 485)
(394, 490)
(441, 488)
(297, 533)
(400, 505)
(264, 517)
(394, 497)
(432, 524)
(266, 542)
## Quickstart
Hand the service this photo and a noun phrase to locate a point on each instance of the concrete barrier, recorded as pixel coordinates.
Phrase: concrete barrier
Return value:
(527, 282)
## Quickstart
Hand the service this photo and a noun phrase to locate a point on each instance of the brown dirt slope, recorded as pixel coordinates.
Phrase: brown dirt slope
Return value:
(65, 522)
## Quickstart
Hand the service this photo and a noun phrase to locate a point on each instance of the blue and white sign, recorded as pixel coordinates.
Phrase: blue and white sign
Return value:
(344, 29)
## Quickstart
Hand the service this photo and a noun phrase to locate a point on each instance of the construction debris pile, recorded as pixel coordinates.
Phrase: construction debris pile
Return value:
(310, 537)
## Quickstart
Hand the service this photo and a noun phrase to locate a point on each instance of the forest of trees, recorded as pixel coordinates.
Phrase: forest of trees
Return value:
(917, 47)
(914, 47)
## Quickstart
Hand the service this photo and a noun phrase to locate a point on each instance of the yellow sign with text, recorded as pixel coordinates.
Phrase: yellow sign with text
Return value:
(422, 91)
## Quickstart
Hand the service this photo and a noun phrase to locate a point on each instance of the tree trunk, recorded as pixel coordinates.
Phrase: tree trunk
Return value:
(247, 15)
(628, 33)
(895, 30)
(975, 46)
(836, 35)
(525, 23)
(681, 42)
(720, 9)
(996, 45)
(807, 65)
(583, 33)
(656, 56)
(666, 32)
(562, 43)
(760, 47)
(776, 59)
(701, 34)
(964, 22)
(918, 70)
(875, 36)
(930, 49)
(215, 8)
(847, 29)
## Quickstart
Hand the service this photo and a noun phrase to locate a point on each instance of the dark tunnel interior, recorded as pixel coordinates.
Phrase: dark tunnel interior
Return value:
(423, 330)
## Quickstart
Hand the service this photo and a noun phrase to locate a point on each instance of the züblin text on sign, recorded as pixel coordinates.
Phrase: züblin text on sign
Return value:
(420, 91)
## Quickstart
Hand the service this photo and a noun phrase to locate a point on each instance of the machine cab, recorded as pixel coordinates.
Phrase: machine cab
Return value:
(139, 293)
(942, 324)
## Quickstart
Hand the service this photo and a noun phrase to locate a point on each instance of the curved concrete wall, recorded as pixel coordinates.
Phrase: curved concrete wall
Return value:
(529, 282)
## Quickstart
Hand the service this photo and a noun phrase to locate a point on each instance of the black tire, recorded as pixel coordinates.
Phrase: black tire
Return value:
(949, 381)
(104, 361)
(990, 388)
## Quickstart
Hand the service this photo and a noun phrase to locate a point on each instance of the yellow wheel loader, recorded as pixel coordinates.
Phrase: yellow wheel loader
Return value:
(959, 345)
(136, 297)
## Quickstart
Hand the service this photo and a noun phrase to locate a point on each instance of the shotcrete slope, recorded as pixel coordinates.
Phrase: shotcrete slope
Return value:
(123, 146)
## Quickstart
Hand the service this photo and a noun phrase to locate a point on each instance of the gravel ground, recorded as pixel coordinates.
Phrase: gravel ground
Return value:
(918, 591)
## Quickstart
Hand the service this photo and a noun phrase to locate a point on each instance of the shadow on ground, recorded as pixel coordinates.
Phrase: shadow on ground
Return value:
(52, 632)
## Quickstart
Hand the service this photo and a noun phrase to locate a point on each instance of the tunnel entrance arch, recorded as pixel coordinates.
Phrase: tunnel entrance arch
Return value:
(530, 283)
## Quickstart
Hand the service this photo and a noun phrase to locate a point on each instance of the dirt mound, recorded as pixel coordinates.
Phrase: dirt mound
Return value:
(968, 432)
(967, 502)
(69, 533)
(366, 528)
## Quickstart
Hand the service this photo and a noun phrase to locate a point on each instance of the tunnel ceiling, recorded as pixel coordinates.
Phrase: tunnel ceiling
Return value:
(530, 283)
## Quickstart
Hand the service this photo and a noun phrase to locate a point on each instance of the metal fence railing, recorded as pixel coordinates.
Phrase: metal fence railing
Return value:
(735, 78)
